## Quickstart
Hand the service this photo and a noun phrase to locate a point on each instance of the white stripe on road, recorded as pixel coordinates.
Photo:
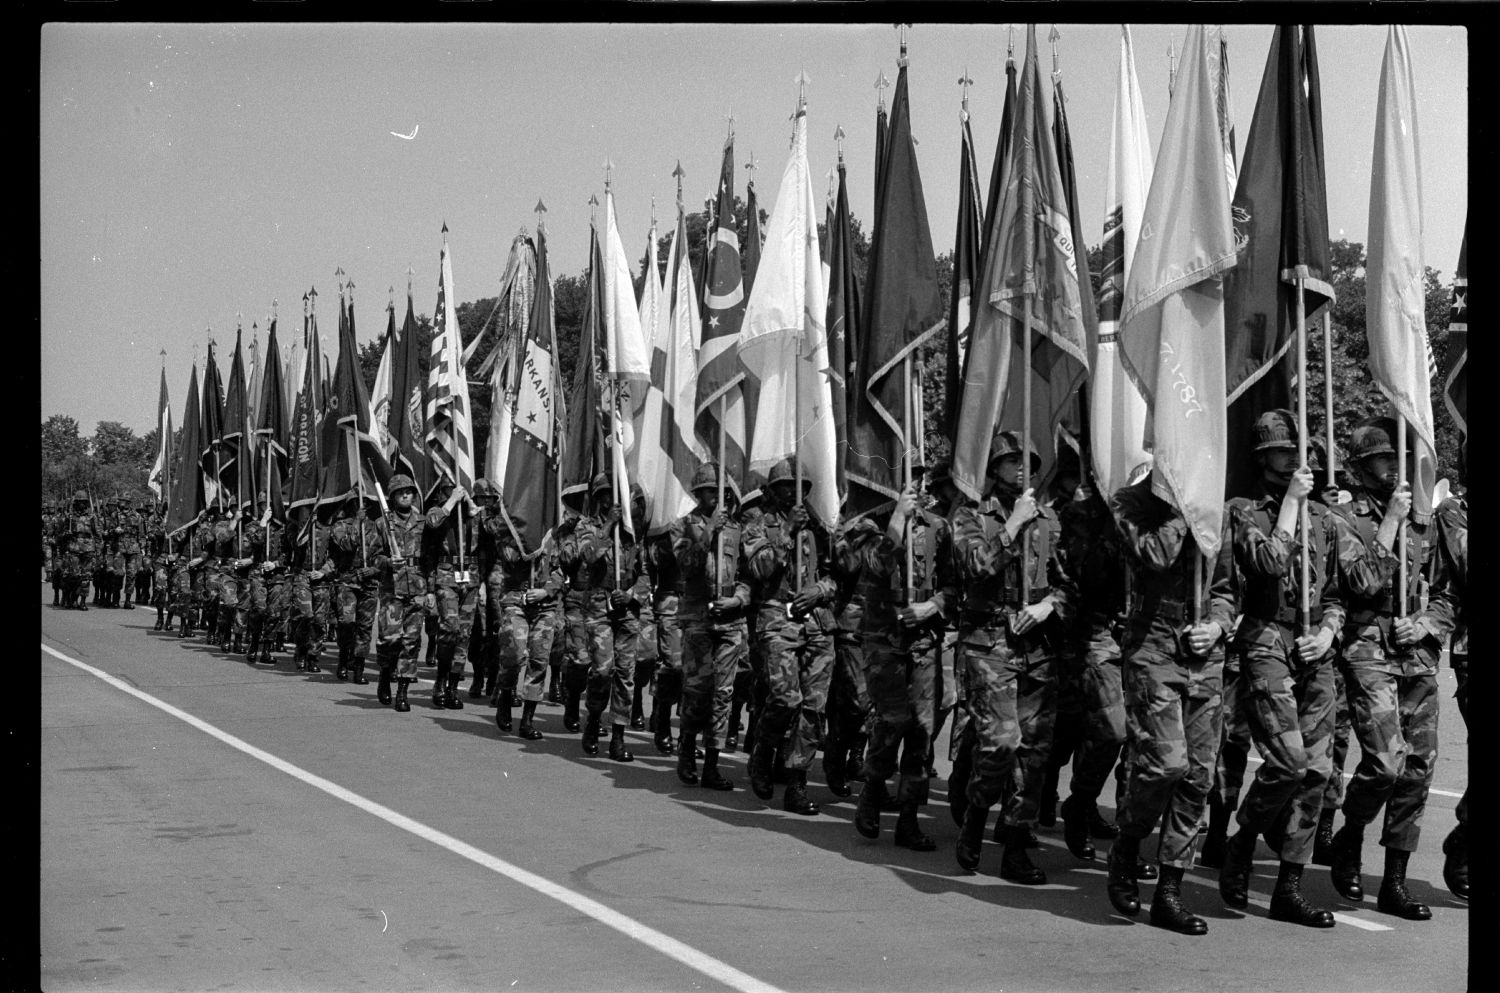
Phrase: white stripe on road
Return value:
(665, 944)
(1256, 760)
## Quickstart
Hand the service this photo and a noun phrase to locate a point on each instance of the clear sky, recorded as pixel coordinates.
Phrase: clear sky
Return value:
(193, 172)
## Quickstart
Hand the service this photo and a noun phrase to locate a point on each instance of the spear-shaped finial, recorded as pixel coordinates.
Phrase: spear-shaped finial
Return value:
(339, 275)
(838, 140)
(1052, 37)
(901, 27)
(312, 295)
(273, 309)
(1010, 43)
(609, 173)
(802, 80)
(306, 304)
(880, 84)
(163, 358)
(239, 322)
(653, 212)
(390, 297)
(594, 209)
(539, 210)
(832, 182)
(730, 118)
(1171, 66)
(410, 272)
(750, 167)
(350, 287)
(965, 82)
(678, 173)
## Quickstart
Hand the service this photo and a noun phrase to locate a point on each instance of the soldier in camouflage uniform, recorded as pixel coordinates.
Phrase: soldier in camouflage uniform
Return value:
(711, 614)
(648, 647)
(185, 575)
(848, 708)
(610, 613)
(794, 630)
(454, 580)
(267, 576)
(901, 629)
(151, 547)
(1390, 675)
(574, 666)
(311, 591)
(1173, 674)
(403, 593)
(666, 688)
(80, 549)
(52, 526)
(1010, 640)
(355, 545)
(129, 537)
(1287, 663)
(488, 635)
(1445, 617)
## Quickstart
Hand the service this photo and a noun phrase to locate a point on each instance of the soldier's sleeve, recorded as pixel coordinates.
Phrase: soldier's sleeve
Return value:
(945, 571)
(553, 581)
(570, 546)
(1264, 556)
(741, 588)
(1222, 599)
(760, 553)
(823, 541)
(1364, 569)
(1064, 590)
(845, 558)
(1155, 538)
(594, 543)
(690, 545)
(1330, 597)
(976, 555)
(1444, 600)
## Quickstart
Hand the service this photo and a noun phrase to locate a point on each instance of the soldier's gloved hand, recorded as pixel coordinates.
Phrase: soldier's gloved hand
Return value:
(267, 566)
(368, 573)
(917, 613)
(1407, 632)
(613, 517)
(1312, 647)
(1202, 637)
(1031, 615)
(618, 599)
(806, 600)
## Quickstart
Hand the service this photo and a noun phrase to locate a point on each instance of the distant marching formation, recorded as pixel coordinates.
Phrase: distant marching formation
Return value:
(856, 597)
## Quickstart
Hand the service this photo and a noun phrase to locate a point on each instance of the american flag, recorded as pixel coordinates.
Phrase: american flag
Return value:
(449, 430)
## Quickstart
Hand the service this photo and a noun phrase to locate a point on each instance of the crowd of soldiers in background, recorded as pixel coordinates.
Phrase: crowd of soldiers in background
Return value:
(1076, 628)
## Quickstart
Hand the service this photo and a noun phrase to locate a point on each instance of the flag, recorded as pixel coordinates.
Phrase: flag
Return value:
(271, 429)
(904, 310)
(160, 478)
(1001, 163)
(354, 460)
(1395, 297)
(653, 317)
(1117, 410)
(626, 361)
(752, 237)
(187, 498)
(406, 421)
(668, 453)
(882, 146)
(1456, 366)
(449, 431)
(307, 413)
(842, 323)
(293, 372)
(1030, 268)
(237, 471)
(211, 428)
(1281, 223)
(530, 483)
(503, 363)
(966, 246)
(583, 454)
(255, 378)
(719, 371)
(380, 393)
(1172, 341)
(785, 342)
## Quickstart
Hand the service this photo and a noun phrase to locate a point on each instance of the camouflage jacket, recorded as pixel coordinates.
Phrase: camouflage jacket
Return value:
(1370, 612)
(769, 560)
(1445, 616)
(357, 561)
(127, 533)
(400, 564)
(694, 549)
(661, 568)
(990, 565)
(306, 547)
(587, 555)
(866, 551)
(510, 565)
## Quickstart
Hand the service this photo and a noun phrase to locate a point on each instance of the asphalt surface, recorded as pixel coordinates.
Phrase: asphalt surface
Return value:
(271, 830)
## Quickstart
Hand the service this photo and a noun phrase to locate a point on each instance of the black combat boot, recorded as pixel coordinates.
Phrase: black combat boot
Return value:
(712, 779)
(1015, 864)
(1144, 869)
(312, 663)
(854, 766)
(909, 833)
(1211, 852)
(661, 717)
(591, 735)
(1076, 828)
(503, 711)
(554, 689)
(440, 684)
(1166, 905)
(1456, 861)
(341, 672)
(1393, 898)
(1323, 839)
(971, 837)
(1099, 828)
(402, 704)
(834, 757)
(794, 800)
(617, 749)
(1124, 894)
(1234, 875)
(687, 758)
(528, 713)
(759, 767)
(958, 780)
(476, 688)
(1288, 904)
(383, 689)
(359, 672)
(450, 699)
(637, 705)
(867, 814)
(1346, 847)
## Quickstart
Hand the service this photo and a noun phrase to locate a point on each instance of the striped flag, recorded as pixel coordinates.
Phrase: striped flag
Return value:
(1395, 296)
(449, 430)
(720, 374)
(160, 478)
(1456, 373)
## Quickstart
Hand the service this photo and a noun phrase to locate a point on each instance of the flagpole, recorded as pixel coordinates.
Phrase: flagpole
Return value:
(719, 562)
(616, 483)
(1026, 442)
(906, 470)
(1401, 527)
(1328, 394)
(1302, 518)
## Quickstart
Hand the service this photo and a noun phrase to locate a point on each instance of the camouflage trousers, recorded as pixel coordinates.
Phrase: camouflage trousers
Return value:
(667, 677)
(400, 634)
(1395, 719)
(1174, 710)
(575, 636)
(1234, 750)
(848, 708)
(712, 653)
(1012, 704)
(900, 675)
(457, 605)
(311, 608)
(230, 620)
(1093, 678)
(355, 605)
(1289, 707)
(798, 658)
(1343, 727)
(253, 607)
(129, 564)
(613, 639)
(525, 634)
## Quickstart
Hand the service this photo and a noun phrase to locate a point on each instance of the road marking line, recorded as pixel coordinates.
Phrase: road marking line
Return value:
(665, 944)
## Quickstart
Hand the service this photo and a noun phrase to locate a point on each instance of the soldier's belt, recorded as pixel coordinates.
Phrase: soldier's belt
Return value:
(1168, 608)
(1291, 616)
(1382, 617)
(897, 596)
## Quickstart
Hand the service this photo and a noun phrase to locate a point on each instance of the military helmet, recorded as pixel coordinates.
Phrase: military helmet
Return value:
(483, 488)
(601, 482)
(82, 496)
(755, 488)
(1373, 436)
(705, 477)
(1009, 443)
(1275, 429)
(784, 471)
(401, 481)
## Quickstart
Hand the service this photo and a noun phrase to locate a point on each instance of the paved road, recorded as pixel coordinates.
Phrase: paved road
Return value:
(268, 830)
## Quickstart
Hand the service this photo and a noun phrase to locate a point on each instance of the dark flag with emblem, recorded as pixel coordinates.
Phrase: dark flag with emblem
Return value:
(530, 486)
(236, 467)
(1281, 233)
(271, 431)
(211, 442)
(843, 323)
(584, 454)
(187, 501)
(409, 404)
(966, 248)
(1456, 366)
(307, 413)
(351, 447)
